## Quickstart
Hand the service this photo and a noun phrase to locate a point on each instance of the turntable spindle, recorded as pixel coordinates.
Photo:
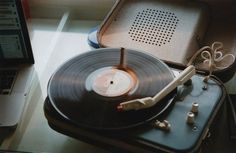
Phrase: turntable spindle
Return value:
(122, 64)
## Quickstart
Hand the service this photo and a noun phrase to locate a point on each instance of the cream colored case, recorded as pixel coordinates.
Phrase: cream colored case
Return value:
(168, 29)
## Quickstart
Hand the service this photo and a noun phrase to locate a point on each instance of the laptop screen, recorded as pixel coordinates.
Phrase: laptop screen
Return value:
(15, 47)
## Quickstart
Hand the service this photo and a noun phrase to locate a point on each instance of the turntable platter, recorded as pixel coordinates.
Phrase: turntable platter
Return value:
(87, 89)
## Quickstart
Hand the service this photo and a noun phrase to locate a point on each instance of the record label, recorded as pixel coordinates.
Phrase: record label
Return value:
(111, 82)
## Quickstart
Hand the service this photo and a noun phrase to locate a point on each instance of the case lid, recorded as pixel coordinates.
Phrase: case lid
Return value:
(169, 30)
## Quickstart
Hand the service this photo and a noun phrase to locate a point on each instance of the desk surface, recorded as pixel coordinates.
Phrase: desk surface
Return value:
(48, 42)
(48, 38)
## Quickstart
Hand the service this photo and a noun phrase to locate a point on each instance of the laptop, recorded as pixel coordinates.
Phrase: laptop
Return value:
(16, 62)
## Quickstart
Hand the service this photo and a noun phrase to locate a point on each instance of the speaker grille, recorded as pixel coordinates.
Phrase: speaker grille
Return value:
(153, 27)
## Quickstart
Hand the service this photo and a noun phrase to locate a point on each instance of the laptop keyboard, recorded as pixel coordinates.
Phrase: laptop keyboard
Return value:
(7, 78)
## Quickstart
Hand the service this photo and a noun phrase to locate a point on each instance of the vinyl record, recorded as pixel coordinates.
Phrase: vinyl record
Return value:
(88, 88)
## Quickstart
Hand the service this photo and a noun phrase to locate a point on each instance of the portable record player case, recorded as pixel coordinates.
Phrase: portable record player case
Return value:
(182, 137)
(71, 106)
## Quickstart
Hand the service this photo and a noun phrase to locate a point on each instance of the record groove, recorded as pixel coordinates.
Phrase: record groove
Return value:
(72, 95)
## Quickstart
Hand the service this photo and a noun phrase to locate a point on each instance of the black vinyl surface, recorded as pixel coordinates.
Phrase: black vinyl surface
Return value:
(70, 96)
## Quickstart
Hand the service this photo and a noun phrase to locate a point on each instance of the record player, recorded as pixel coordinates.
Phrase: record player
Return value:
(129, 100)
(84, 93)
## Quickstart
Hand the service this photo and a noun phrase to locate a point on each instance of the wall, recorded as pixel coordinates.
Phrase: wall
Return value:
(83, 9)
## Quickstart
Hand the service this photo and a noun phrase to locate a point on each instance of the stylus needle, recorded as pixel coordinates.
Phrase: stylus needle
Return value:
(147, 102)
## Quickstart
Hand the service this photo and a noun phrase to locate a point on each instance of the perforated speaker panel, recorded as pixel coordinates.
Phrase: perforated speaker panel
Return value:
(154, 27)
